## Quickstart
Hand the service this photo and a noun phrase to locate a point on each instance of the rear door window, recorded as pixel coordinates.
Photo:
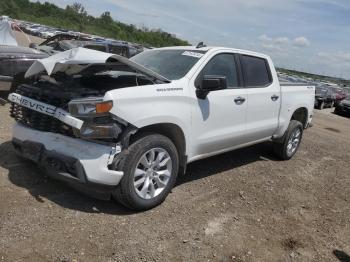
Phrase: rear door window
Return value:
(256, 71)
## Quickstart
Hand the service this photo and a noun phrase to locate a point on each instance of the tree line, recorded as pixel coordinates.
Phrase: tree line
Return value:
(75, 17)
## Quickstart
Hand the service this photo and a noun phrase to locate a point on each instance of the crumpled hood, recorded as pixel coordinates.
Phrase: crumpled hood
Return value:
(75, 60)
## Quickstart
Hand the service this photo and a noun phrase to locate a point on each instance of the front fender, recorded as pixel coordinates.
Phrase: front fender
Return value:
(149, 105)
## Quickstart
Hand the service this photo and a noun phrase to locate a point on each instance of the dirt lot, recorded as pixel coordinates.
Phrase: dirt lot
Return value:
(240, 206)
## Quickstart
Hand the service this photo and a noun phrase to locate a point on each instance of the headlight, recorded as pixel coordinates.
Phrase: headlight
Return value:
(89, 107)
(98, 123)
(92, 131)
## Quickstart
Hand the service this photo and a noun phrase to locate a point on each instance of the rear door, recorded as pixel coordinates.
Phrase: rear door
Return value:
(263, 95)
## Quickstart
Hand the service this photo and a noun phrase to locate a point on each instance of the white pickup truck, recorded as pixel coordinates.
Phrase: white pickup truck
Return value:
(126, 128)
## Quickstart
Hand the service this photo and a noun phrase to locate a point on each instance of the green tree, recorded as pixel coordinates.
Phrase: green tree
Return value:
(75, 17)
(106, 18)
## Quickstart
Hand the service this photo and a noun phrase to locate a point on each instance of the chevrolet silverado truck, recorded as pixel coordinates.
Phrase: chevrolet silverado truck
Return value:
(125, 128)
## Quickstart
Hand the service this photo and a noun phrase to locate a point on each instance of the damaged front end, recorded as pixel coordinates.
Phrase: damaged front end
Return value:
(65, 125)
(68, 108)
(71, 100)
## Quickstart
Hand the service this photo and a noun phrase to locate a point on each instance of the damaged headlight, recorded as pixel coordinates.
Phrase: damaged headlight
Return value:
(106, 131)
(98, 122)
(89, 106)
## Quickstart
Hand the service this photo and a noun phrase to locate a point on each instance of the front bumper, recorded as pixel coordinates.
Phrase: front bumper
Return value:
(79, 162)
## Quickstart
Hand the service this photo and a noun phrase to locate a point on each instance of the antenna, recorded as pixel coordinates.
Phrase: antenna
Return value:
(200, 44)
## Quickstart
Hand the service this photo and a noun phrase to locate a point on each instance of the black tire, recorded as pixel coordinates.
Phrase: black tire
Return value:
(321, 105)
(337, 111)
(125, 192)
(280, 147)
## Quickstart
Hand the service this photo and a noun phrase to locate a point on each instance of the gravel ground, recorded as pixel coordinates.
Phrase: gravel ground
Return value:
(240, 206)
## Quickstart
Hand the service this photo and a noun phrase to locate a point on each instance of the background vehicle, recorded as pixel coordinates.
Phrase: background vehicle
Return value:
(339, 94)
(64, 42)
(134, 124)
(52, 44)
(113, 47)
(14, 62)
(325, 96)
(343, 107)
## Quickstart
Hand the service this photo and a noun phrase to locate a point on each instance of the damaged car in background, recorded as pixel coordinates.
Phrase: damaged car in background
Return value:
(14, 62)
(112, 126)
(343, 107)
(63, 42)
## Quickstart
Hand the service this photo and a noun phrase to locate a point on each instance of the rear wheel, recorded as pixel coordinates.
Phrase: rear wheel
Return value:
(337, 111)
(321, 105)
(150, 168)
(289, 145)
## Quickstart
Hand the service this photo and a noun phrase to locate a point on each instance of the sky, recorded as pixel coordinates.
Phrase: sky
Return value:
(306, 35)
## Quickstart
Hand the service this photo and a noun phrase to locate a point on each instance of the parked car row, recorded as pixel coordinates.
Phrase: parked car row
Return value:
(47, 32)
(343, 108)
(328, 96)
(14, 60)
(64, 42)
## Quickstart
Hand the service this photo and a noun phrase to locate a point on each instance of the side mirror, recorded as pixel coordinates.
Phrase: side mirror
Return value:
(210, 83)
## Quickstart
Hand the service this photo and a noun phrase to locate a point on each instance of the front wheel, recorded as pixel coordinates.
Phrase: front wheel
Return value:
(289, 145)
(150, 168)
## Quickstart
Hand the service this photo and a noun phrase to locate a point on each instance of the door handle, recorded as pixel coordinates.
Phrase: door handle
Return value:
(274, 97)
(239, 100)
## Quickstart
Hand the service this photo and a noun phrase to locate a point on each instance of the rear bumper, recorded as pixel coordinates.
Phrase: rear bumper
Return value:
(82, 164)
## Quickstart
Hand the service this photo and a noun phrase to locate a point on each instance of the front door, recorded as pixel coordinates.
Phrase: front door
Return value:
(218, 122)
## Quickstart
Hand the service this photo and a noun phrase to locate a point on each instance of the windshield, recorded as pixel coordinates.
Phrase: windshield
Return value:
(172, 64)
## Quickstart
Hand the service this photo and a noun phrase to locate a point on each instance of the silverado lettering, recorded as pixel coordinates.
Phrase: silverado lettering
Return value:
(46, 109)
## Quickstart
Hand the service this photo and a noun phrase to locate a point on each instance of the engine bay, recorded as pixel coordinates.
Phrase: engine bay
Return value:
(61, 90)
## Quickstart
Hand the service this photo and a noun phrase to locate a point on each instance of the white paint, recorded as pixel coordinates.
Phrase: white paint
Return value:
(217, 124)
(211, 126)
(93, 157)
(193, 54)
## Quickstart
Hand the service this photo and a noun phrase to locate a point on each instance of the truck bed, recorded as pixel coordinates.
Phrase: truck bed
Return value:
(295, 96)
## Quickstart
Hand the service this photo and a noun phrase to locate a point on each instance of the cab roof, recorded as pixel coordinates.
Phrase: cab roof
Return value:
(213, 49)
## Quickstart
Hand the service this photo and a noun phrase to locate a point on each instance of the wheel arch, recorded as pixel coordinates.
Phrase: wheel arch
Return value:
(171, 131)
(301, 115)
